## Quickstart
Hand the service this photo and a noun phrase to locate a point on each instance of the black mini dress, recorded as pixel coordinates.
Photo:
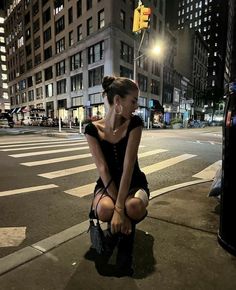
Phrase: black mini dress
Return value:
(115, 154)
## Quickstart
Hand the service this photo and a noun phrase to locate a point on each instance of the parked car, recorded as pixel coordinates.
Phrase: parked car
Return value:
(6, 120)
(32, 121)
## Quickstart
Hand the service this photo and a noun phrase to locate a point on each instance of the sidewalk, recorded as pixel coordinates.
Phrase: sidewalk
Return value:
(175, 248)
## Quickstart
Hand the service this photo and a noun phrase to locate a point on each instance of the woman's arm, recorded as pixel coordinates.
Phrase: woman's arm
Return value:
(101, 165)
(118, 219)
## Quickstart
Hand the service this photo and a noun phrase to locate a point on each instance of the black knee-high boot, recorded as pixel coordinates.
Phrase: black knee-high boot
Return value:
(124, 258)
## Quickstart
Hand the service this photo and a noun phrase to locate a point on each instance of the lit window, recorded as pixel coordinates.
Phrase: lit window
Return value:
(5, 95)
(4, 77)
(3, 58)
(2, 49)
(215, 53)
(214, 73)
(5, 85)
(1, 20)
(213, 83)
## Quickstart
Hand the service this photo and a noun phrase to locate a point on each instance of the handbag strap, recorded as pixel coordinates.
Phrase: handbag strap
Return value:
(104, 190)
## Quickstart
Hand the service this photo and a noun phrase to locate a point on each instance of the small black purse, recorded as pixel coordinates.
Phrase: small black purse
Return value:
(96, 233)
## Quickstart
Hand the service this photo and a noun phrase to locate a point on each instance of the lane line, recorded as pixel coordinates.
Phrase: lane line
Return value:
(27, 189)
(42, 147)
(29, 141)
(166, 163)
(47, 152)
(210, 171)
(43, 143)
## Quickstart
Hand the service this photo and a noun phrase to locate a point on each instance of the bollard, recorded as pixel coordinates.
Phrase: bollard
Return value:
(226, 234)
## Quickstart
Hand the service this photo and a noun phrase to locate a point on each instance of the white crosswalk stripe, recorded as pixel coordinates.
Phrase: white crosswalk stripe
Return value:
(40, 143)
(42, 147)
(86, 189)
(47, 152)
(147, 170)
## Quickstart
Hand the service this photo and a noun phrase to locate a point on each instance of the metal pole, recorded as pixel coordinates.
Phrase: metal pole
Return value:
(80, 127)
(135, 62)
(59, 124)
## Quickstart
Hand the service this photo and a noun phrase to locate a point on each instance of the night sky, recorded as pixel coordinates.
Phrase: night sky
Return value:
(1, 4)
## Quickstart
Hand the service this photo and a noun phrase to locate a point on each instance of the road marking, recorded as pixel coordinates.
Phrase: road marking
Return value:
(88, 189)
(69, 171)
(56, 160)
(43, 143)
(27, 189)
(77, 169)
(12, 236)
(75, 157)
(163, 190)
(47, 146)
(210, 171)
(82, 191)
(166, 163)
(47, 152)
(30, 141)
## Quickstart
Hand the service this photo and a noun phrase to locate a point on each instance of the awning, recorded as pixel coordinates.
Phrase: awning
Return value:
(15, 110)
(18, 110)
(24, 109)
(37, 110)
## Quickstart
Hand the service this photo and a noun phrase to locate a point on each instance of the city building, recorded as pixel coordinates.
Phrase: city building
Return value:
(4, 100)
(213, 20)
(59, 51)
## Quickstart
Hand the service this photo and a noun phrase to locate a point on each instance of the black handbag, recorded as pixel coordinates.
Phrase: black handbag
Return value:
(96, 233)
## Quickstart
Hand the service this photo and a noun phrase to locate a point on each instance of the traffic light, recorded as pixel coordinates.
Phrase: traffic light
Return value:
(141, 18)
(144, 20)
(136, 20)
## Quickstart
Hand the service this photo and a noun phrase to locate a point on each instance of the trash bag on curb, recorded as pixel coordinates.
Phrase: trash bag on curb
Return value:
(216, 186)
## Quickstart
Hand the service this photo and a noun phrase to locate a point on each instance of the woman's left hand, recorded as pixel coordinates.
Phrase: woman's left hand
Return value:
(117, 221)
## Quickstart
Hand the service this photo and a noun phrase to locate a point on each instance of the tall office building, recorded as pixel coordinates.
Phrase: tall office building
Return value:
(59, 51)
(4, 100)
(212, 19)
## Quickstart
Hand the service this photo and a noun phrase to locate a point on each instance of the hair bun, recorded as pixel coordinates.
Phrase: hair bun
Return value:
(107, 81)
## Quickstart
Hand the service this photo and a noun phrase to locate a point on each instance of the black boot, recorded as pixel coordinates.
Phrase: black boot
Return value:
(124, 258)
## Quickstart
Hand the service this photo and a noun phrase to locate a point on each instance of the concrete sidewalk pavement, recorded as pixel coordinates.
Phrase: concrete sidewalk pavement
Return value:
(175, 248)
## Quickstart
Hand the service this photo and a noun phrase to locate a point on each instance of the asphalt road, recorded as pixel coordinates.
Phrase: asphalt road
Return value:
(40, 199)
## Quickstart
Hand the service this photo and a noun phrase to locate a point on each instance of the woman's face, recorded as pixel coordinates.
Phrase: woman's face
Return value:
(129, 104)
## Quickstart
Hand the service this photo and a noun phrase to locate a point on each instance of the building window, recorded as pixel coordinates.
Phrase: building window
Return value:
(58, 6)
(89, 26)
(60, 45)
(28, 49)
(27, 34)
(122, 18)
(96, 98)
(155, 68)
(79, 8)
(76, 82)
(71, 39)
(60, 25)
(29, 64)
(47, 35)
(101, 19)
(127, 53)
(89, 4)
(27, 18)
(37, 59)
(60, 68)
(39, 93)
(96, 52)
(155, 87)
(36, 25)
(154, 22)
(70, 15)
(78, 101)
(49, 90)
(79, 32)
(46, 15)
(48, 73)
(35, 8)
(76, 61)
(38, 77)
(31, 95)
(37, 43)
(29, 82)
(142, 81)
(47, 53)
(61, 87)
(96, 76)
(126, 72)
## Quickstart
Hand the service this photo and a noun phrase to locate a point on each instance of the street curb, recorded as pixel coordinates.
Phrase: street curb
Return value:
(20, 257)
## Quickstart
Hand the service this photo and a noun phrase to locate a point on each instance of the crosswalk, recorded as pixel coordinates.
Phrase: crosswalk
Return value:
(41, 154)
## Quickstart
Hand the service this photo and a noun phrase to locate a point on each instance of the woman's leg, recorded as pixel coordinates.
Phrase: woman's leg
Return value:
(136, 204)
(103, 206)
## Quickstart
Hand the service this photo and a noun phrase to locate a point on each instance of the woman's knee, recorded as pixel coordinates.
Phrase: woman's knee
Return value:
(135, 208)
(105, 209)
